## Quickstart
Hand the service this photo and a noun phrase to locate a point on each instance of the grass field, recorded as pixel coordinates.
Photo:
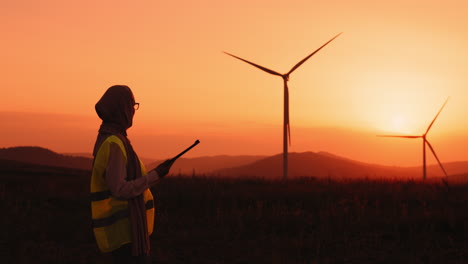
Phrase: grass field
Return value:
(46, 219)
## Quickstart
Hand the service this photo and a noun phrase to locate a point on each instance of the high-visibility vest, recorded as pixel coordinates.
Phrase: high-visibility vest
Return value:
(110, 215)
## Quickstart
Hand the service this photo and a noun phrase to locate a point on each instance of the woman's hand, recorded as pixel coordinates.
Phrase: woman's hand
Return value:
(163, 168)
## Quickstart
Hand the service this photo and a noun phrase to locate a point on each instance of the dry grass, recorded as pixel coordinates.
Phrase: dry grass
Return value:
(212, 220)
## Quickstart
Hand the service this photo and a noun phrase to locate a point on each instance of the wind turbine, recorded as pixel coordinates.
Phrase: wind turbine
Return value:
(425, 142)
(286, 129)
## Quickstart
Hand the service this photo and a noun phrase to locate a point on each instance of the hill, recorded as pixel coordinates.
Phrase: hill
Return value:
(306, 164)
(42, 156)
(324, 165)
(200, 165)
(310, 164)
(207, 164)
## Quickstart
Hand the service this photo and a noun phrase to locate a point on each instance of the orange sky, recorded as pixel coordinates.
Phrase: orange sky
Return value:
(390, 71)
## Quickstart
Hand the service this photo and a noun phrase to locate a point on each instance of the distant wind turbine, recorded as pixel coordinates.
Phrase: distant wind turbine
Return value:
(425, 141)
(286, 128)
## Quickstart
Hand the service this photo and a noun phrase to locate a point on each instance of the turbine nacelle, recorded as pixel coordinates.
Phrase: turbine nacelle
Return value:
(286, 75)
(425, 142)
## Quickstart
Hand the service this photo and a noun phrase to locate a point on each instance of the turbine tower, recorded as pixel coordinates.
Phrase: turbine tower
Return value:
(286, 127)
(425, 142)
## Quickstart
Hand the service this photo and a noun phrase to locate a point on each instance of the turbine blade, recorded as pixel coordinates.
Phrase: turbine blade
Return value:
(256, 65)
(435, 155)
(306, 58)
(397, 136)
(429, 127)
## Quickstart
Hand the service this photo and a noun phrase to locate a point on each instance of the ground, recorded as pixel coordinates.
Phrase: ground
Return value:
(46, 219)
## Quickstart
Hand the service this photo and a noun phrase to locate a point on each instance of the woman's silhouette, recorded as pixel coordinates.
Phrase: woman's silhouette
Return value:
(121, 202)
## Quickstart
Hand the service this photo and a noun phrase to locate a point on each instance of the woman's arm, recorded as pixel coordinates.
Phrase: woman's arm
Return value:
(116, 174)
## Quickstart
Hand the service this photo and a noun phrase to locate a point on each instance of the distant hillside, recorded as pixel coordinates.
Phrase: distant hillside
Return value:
(42, 156)
(452, 168)
(13, 167)
(208, 164)
(79, 154)
(306, 164)
(458, 179)
(310, 164)
(323, 165)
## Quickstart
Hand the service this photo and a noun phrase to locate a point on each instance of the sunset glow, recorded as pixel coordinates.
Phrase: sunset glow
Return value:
(390, 72)
(399, 124)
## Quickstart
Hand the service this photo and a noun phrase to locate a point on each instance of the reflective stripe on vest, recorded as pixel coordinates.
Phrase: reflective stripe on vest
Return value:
(102, 222)
(110, 216)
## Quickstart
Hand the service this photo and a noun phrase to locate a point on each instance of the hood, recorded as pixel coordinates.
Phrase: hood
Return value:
(116, 107)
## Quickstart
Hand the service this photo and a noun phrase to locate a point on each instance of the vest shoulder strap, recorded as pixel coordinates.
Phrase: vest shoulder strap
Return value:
(116, 140)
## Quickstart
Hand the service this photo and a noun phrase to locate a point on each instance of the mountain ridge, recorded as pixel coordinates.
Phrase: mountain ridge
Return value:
(43, 156)
(305, 164)
(327, 165)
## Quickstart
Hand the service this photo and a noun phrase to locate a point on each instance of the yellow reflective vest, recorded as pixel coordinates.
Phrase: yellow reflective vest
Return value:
(111, 223)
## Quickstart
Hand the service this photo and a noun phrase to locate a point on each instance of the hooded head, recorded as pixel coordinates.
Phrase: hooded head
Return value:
(116, 107)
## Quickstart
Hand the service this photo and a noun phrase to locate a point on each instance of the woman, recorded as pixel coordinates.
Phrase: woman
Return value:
(121, 202)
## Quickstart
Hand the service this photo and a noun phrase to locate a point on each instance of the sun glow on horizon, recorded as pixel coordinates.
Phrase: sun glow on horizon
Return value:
(399, 124)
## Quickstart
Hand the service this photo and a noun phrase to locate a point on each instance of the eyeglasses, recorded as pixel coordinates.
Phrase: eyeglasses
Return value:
(136, 106)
